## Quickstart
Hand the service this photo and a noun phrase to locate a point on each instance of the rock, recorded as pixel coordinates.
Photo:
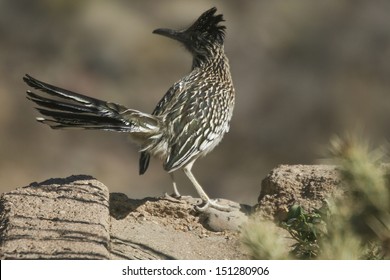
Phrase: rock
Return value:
(220, 221)
(305, 185)
(77, 218)
(56, 219)
(170, 228)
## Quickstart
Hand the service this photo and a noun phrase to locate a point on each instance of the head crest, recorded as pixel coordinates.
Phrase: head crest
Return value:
(207, 25)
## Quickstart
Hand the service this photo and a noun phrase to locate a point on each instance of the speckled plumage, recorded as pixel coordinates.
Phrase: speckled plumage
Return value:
(187, 123)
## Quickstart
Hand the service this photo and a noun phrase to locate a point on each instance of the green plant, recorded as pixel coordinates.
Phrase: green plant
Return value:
(305, 229)
(360, 220)
(354, 226)
(262, 240)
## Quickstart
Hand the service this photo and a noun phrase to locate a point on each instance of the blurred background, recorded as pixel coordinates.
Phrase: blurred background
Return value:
(303, 72)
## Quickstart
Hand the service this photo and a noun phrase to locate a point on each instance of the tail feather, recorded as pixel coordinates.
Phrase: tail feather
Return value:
(68, 109)
(67, 119)
(60, 92)
(58, 105)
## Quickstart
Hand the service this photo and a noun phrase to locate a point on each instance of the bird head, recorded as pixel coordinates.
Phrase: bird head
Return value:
(202, 37)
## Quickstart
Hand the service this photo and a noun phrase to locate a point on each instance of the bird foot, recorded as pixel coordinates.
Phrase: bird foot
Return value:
(213, 204)
(172, 197)
(175, 198)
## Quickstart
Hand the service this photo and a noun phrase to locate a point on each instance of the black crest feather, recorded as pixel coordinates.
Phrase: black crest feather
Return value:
(208, 24)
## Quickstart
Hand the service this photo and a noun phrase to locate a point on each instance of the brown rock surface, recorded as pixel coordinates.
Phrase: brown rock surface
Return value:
(305, 185)
(76, 218)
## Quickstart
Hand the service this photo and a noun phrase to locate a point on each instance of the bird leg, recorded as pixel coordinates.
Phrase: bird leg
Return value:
(175, 196)
(206, 200)
(176, 193)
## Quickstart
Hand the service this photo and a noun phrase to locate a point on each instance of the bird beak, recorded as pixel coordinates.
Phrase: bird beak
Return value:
(170, 33)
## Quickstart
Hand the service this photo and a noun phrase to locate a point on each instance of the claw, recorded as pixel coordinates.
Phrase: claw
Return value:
(211, 203)
(171, 197)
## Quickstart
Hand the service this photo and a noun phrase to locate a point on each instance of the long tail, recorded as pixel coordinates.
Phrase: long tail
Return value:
(73, 110)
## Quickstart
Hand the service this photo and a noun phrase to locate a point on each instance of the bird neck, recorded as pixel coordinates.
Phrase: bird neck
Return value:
(214, 60)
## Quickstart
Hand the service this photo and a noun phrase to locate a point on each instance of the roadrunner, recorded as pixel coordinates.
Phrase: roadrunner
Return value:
(187, 123)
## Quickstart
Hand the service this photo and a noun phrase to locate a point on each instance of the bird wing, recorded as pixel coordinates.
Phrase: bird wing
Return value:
(188, 114)
(185, 119)
(188, 111)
